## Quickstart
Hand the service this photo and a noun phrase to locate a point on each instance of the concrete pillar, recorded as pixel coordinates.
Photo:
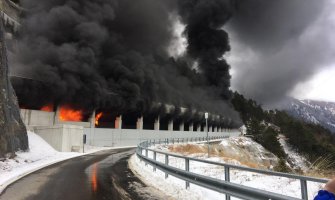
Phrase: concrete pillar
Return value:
(215, 129)
(170, 125)
(219, 129)
(198, 128)
(190, 128)
(118, 122)
(56, 117)
(139, 123)
(210, 129)
(181, 126)
(92, 119)
(157, 124)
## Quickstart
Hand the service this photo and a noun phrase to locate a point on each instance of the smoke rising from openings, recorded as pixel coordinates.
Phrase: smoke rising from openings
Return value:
(279, 44)
(112, 54)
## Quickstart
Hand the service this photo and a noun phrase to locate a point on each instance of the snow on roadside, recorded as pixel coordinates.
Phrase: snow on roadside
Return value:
(171, 186)
(176, 187)
(40, 154)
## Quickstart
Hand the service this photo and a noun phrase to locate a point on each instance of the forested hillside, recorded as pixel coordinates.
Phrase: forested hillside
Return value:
(310, 140)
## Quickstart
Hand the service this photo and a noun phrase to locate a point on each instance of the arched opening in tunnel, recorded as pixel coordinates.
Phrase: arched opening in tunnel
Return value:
(105, 119)
(176, 124)
(149, 122)
(187, 126)
(195, 126)
(129, 120)
(203, 127)
(164, 123)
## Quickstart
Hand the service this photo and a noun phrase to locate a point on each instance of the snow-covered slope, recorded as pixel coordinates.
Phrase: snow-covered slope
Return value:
(234, 150)
(248, 152)
(233, 147)
(317, 112)
(294, 159)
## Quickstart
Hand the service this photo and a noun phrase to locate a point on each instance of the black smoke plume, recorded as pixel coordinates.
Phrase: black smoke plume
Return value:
(112, 54)
(207, 41)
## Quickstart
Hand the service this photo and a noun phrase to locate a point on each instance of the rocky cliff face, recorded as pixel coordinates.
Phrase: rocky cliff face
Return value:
(13, 134)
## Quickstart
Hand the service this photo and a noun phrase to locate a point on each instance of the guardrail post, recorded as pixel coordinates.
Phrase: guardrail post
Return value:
(227, 178)
(154, 160)
(146, 155)
(304, 194)
(227, 173)
(167, 163)
(187, 168)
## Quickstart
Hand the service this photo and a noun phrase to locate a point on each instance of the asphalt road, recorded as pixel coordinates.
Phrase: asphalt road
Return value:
(99, 176)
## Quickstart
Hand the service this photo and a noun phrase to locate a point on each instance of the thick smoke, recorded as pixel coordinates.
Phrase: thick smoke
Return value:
(277, 44)
(207, 42)
(111, 54)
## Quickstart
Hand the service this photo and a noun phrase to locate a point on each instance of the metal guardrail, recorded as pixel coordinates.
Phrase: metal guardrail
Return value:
(222, 186)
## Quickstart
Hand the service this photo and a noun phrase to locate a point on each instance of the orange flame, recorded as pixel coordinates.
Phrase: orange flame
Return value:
(68, 114)
(48, 108)
(97, 117)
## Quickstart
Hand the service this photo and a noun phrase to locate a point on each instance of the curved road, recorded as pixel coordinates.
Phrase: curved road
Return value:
(99, 176)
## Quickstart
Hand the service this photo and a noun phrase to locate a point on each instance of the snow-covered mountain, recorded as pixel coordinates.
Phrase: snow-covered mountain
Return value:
(317, 112)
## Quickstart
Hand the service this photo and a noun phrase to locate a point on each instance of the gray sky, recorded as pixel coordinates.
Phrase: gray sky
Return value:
(282, 48)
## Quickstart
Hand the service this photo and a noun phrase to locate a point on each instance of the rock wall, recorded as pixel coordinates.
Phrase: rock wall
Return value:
(13, 134)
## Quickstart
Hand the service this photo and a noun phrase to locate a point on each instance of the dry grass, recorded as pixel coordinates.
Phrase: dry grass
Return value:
(218, 151)
(187, 149)
(322, 167)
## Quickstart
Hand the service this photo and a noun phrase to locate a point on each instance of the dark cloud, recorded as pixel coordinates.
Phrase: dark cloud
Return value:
(279, 44)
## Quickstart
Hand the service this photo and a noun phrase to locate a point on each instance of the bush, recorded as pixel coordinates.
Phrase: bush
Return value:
(282, 167)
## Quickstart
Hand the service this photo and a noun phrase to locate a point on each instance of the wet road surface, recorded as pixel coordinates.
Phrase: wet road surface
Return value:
(99, 176)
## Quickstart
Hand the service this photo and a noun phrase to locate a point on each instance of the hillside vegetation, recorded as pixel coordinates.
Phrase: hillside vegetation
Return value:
(312, 141)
